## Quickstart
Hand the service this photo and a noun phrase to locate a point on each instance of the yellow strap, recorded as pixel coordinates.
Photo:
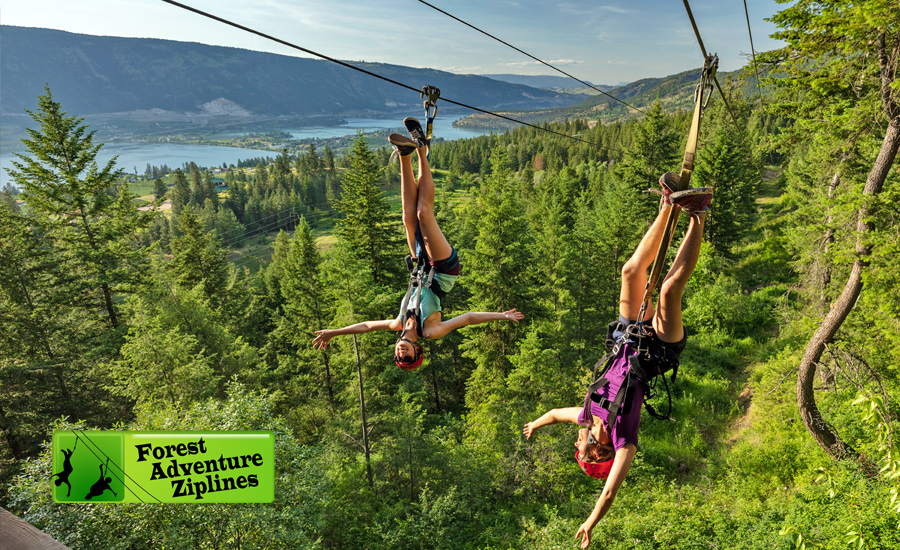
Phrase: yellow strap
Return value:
(687, 168)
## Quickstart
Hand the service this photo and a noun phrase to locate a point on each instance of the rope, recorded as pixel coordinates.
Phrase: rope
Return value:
(370, 73)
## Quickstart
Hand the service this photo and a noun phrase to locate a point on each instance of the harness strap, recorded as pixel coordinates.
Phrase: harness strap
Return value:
(643, 367)
(614, 405)
(421, 276)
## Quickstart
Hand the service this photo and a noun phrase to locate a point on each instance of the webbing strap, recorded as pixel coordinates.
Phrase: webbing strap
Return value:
(613, 406)
(701, 99)
(421, 276)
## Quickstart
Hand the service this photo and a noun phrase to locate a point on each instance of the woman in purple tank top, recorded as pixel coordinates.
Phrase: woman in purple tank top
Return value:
(607, 451)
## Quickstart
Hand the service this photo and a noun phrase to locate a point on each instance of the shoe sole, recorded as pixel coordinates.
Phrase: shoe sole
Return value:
(413, 126)
(401, 141)
(692, 191)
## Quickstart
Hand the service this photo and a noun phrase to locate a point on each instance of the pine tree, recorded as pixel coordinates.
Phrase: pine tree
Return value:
(306, 302)
(312, 159)
(159, 188)
(181, 193)
(63, 269)
(88, 217)
(198, 191)
(327, 158)
(198, 257)
(367, 228)
(726, 162)
(209, 191)
(499, 273)
(652, 153)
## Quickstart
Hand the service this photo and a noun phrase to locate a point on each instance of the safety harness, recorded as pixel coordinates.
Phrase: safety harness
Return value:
(647, 361)
(421, 276)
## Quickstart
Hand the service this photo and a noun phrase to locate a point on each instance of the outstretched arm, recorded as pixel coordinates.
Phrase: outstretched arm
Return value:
(441, 329)
(554, 416)
(624, 456)
(323, 336)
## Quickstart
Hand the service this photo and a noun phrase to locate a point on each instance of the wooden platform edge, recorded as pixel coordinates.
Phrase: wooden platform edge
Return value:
(18, 534)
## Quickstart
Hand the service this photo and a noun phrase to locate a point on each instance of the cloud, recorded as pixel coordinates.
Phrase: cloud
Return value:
(550, 62)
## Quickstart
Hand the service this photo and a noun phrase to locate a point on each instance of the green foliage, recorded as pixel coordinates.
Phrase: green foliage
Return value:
(727, 163)
(542, 225)
(499, 276)
(178, 335)
(723, 306)
(367, 229)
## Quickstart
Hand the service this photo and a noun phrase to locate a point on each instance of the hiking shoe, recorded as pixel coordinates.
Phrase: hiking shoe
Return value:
(402, 144)
(415, 131)
(669, 183)
(693, 201)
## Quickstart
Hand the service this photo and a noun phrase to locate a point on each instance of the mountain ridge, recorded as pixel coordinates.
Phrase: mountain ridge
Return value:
(93, 75)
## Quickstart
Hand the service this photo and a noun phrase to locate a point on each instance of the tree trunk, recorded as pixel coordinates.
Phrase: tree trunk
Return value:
(829, 238)
(362, 407)
(822, 432)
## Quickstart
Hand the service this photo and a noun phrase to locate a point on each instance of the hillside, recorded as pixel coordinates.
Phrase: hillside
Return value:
(547, 81)
(162, 79)
(674, 92)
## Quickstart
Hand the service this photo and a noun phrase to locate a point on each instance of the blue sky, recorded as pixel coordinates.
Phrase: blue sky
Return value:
(605, 42)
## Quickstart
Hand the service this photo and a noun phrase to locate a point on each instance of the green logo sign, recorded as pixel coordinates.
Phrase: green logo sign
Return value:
(199, 467)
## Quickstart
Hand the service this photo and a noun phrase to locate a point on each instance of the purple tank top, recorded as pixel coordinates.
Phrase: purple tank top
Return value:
(626, 428)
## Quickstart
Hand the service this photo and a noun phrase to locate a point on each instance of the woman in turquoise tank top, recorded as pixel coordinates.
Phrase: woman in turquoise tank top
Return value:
(424, 236)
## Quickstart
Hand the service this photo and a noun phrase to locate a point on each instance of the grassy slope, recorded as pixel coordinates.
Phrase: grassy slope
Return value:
(738, 468)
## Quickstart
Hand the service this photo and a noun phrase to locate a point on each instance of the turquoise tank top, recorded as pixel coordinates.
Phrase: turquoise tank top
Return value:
(431, 304)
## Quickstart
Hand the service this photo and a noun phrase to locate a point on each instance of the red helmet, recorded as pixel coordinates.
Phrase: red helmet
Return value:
(416, 362)
(409, 367)
(600, 470)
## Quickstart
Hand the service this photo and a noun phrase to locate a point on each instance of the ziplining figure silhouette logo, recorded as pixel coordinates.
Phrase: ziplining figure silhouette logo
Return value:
(76, 457)
(101, 484)
(63, 475)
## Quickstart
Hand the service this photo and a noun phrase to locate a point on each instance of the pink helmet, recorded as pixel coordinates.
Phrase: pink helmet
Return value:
(600, 470)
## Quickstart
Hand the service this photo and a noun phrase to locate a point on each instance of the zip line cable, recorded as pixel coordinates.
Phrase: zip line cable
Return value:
(705, 64)
(753, 52)
(370, 73)
(589, 85)
(228, 235)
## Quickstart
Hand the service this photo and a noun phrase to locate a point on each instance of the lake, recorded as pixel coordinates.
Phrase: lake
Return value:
(136, 155)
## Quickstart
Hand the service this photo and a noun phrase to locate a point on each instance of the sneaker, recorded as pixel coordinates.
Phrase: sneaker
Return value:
(669, 182)
(402, 144)
(415, 131)
(693, 201)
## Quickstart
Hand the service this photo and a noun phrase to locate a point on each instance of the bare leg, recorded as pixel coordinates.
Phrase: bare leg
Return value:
(667, 321)
(435, 242)
(634, 272)
(409, 198)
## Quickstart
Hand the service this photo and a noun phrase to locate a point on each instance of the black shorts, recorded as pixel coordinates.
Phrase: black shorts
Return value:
(675, 348)
(447, 266)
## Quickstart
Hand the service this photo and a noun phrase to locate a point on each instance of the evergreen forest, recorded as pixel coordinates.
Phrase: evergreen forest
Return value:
(201, 316)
